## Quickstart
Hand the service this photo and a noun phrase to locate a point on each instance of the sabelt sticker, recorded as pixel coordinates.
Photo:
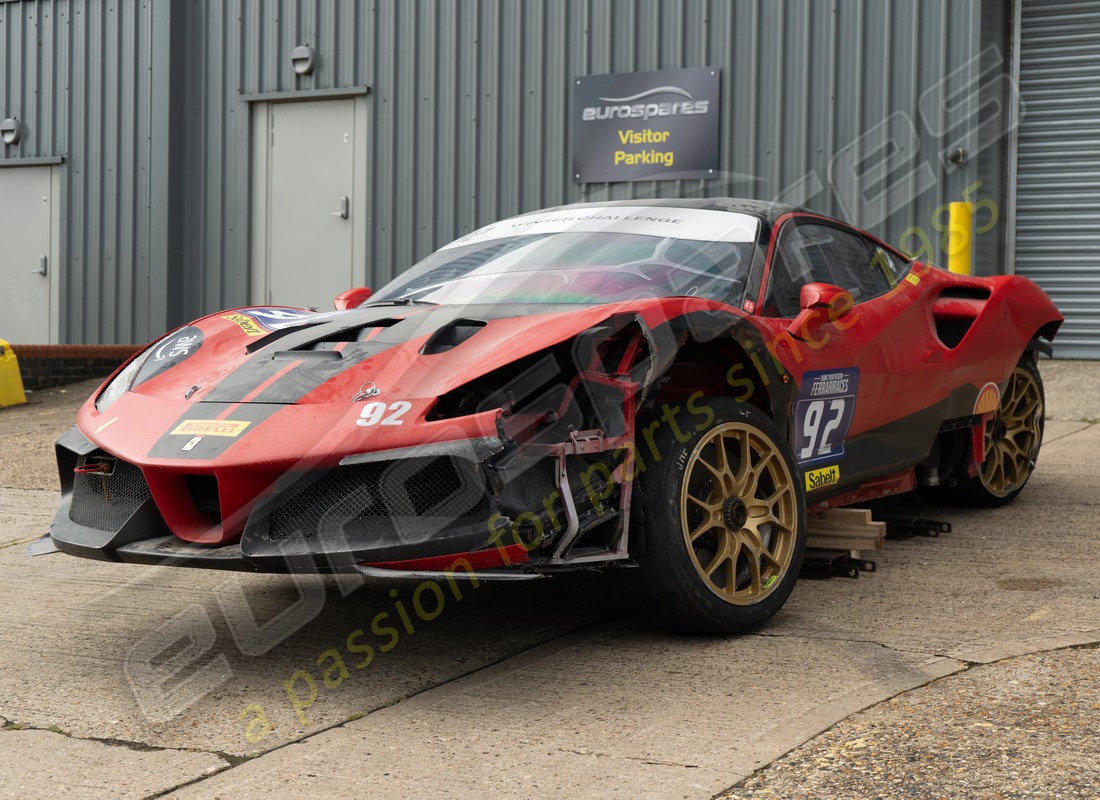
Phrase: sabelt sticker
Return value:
(211, 427)
(988, 399)
(259, 321)
(820, 478)
(823, 414)
(246, 324)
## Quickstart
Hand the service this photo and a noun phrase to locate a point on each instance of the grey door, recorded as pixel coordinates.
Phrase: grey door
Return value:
(26, 237)
(311, 201)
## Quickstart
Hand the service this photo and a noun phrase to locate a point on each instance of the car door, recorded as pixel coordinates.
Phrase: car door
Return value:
(869, 374)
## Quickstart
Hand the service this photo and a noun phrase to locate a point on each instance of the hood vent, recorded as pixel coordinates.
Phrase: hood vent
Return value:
(368, 332)
(451, 336)
(275, 336)
(330, 340)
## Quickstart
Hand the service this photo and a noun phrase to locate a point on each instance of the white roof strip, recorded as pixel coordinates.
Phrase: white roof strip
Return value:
(660, 221)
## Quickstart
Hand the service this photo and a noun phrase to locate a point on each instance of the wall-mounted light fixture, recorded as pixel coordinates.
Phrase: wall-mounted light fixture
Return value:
(11, 130)
(303, 59)
(954, 156)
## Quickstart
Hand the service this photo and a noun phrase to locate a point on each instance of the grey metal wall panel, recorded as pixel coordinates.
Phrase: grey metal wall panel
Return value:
(469, 116)
(79, 75)
(470, 100)
(1058, 183)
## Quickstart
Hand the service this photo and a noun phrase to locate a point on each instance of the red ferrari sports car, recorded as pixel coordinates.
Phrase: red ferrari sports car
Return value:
(670, 385)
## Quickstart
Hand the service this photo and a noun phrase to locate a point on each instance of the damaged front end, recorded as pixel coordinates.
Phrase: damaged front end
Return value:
(557, 480)
(549, 491)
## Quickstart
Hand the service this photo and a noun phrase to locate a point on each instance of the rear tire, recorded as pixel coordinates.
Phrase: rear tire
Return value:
(723, 519)
(1012, 439)
(1012, 442)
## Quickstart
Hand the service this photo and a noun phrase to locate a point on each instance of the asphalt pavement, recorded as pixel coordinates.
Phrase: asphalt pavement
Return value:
(965, 666)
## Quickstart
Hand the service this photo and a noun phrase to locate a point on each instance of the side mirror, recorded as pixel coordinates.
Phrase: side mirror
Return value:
(820, 303)
(352, 298)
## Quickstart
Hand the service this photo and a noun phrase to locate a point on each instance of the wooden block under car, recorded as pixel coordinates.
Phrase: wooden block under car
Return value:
(844, 529)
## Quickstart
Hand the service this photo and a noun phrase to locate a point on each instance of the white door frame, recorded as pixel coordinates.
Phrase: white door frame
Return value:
(53, 254)
(260, 269)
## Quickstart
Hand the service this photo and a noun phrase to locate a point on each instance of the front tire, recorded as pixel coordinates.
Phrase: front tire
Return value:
(723, 518)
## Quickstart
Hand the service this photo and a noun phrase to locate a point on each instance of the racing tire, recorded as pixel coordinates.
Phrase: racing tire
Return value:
(723, 517)
(1012, 441)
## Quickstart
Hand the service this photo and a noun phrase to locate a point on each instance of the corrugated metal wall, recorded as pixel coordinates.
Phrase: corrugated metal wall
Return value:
(1058, 184)
(210, 122)
(469, 113)
(80, 76)
(470, 107)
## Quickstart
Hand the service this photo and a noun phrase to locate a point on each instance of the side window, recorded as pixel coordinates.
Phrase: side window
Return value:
(890, 265)
(812, 253)
(855, 266)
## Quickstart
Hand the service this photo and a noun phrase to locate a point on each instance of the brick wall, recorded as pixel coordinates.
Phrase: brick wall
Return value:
(43, 366)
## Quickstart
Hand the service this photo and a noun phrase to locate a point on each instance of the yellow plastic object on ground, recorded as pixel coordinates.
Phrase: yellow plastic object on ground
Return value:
(11, 384)
(961, 235)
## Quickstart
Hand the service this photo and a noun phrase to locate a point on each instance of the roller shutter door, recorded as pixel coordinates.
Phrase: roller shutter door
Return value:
(1058, 184)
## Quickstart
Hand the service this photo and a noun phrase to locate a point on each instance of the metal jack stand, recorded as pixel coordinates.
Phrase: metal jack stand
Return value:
(835, 539)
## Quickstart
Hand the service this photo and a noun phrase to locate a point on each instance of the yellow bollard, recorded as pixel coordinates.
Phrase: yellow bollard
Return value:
(11, 384)
(960, 237)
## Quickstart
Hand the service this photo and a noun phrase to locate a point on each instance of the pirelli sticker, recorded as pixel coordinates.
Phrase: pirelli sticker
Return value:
(246, 324)
(820, 478)
(211, 427)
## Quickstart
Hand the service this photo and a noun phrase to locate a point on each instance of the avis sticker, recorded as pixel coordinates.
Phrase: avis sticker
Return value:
(823, 414)
(820, 478)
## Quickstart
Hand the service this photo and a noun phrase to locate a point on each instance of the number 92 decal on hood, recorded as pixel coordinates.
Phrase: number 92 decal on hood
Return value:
(823, 414)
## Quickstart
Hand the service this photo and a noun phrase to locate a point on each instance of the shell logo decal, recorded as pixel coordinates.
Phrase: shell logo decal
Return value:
(988, 400)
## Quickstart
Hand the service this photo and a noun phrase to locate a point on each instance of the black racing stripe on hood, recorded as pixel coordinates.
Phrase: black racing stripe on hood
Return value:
(245, 380)
(295, 384)
(339, 324)
(412, 323)
(263, 365)
(171, 444)
(308, 376)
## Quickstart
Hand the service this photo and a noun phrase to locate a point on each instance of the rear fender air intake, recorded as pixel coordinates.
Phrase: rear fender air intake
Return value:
(955, 310)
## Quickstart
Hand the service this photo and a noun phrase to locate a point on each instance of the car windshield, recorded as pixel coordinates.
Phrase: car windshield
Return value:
(587, 257)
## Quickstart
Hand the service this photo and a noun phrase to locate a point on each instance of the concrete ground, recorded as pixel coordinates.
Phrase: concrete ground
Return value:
(966, 666)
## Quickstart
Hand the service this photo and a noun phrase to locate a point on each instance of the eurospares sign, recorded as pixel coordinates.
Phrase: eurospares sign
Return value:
(645, 126)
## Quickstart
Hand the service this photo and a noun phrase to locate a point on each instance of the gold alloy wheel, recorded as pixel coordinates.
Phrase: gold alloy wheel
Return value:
(739, 513)
(1013, 436)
